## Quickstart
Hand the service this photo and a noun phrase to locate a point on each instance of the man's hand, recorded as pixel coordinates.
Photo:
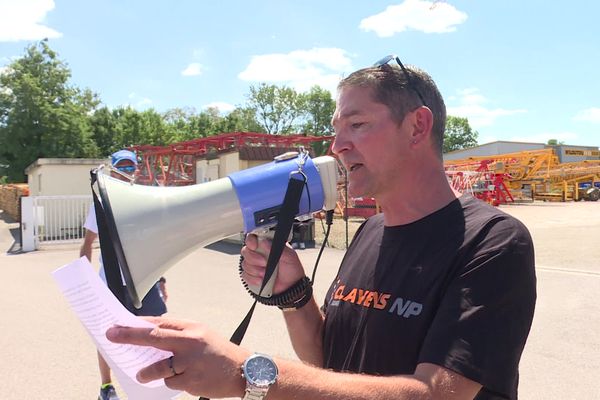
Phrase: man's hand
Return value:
(206, 364)
(256, 253)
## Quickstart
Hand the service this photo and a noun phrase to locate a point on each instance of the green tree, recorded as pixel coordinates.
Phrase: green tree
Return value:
(128, 128)
(103, 122)
(154, 129)
(177, 123)
(241, 119)
(132, 127)
(277, 107)
(554, 142)
(317, 112)
(41, 115)
(186, 124)
(458, 134)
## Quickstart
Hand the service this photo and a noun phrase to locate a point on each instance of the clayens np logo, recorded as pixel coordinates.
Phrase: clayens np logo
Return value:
(376, 300)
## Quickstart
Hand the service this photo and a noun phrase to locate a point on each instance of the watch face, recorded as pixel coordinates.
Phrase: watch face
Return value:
(260, 370)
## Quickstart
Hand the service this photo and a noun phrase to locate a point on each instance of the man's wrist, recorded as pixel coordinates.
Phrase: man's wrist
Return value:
(299, 302)
(260, 373)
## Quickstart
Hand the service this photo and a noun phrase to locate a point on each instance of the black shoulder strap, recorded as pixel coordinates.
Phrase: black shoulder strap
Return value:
(285, 221)
(109, 258)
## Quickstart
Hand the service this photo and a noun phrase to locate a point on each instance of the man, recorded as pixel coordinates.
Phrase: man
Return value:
(125, 162)
(433, 300)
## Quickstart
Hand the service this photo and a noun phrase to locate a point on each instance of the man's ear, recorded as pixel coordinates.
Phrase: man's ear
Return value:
(422, 124)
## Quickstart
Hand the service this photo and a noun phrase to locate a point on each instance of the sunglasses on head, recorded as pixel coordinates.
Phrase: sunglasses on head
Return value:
(126, 168)
(385, 60)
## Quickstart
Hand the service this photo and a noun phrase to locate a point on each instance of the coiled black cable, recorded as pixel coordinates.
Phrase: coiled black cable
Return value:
(292, 296)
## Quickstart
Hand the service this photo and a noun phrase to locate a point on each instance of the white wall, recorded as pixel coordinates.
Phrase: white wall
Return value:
(208, 170)
(60, 176)
(228, 163)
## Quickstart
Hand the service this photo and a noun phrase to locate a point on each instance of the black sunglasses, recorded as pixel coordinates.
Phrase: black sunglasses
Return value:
(393, 57)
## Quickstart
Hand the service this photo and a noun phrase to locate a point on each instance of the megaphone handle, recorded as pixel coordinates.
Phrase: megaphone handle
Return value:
(268, 287)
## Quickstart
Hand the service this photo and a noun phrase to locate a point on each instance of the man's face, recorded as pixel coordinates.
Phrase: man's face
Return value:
(126, 167)
(372, 146)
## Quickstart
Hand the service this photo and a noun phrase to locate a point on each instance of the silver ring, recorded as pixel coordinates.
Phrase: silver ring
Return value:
(173, 368)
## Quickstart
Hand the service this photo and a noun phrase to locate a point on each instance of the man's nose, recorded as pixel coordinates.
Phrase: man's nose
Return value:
(340, 143)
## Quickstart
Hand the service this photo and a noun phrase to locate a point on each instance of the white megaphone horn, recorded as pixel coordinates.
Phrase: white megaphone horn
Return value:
(151, 228)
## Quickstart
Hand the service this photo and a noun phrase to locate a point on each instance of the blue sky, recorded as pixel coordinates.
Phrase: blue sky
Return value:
(526, 70)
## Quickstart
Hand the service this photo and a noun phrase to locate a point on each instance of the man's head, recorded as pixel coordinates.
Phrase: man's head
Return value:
(124, 161)
(389, 124)
(402, 89)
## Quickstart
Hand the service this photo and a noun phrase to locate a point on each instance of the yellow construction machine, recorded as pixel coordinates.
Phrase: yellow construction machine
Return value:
(535, 175)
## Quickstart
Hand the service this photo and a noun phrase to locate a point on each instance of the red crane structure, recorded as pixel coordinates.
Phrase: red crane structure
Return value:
(481, 180)
(174, 164)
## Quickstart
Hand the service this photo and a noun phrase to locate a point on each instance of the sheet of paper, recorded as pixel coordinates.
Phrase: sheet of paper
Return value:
(98, 309)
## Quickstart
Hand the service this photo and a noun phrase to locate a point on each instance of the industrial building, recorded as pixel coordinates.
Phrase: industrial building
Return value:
(565, 153)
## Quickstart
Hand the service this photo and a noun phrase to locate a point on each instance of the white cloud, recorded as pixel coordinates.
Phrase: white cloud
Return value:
(221, 106)
(143, 103)
(139, 102)
(588, 115)
(418, 15)
(193, 69)
(300, 69)
(471, 106)
(23, 20)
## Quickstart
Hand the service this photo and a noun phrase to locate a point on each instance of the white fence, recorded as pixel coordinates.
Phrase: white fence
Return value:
(53, 219)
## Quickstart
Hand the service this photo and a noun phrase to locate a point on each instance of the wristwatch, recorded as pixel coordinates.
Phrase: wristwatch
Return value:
(260, 373)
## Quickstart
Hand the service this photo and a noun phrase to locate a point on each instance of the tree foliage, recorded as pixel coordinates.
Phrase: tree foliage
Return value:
(318, 110)
(277, 107)
(282, 110)
(41, 115)
(458, 134)
(241, 119)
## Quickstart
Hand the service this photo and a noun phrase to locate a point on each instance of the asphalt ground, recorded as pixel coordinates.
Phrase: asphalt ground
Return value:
(45, 353)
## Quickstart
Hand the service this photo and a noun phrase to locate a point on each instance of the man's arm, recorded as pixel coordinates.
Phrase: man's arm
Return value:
(305, 328)
(209, 365)
(86, 246)
(305, 324)
(429, 382)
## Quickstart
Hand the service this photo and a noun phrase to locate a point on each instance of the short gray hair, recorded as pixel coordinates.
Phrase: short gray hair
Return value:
(392, 88)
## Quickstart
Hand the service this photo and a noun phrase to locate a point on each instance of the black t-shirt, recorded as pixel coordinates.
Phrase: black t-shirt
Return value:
(455, 288)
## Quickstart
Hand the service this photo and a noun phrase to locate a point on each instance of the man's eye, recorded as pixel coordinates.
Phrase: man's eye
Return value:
(356, 125)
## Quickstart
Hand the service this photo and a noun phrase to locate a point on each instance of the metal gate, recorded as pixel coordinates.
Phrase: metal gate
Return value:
(59, 219)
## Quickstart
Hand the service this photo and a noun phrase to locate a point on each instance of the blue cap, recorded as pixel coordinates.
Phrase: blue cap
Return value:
(123, 155)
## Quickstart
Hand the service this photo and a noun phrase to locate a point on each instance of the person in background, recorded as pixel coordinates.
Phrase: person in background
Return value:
(434, 298)
(153, 304)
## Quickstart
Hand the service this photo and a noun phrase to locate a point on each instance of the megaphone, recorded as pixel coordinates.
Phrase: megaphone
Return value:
(151, 228)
